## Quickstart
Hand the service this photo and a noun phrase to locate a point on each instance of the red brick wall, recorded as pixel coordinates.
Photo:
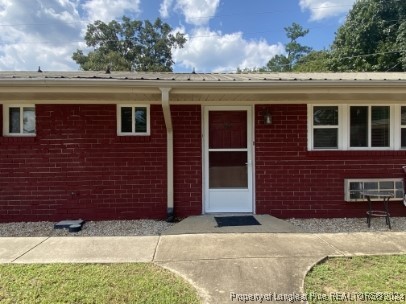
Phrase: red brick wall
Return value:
(77, 167)
(187, 160)
(294, 182)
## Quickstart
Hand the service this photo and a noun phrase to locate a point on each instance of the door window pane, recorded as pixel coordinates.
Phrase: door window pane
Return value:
(358, 126)
(126, 119)
(29, 120)
(325, 138)
(140, 120)
(227, 129)
(380, 126)
(14, 120)
(228, 170)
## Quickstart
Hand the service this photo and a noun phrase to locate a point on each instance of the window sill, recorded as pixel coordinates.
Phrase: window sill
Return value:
(18, 139)
(133, 134)
(133, 139)
(355, 152)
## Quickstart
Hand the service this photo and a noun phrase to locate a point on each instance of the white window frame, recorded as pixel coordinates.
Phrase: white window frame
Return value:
(133, 132)
(344, 128)
(6, 120)
(398, 131)
(311, 127)
(391, 127)
(347, 193)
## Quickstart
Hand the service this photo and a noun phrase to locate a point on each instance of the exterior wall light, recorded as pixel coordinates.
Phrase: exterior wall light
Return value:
(267, 117)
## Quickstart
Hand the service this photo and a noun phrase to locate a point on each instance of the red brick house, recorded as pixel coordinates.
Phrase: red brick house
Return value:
(142, 145)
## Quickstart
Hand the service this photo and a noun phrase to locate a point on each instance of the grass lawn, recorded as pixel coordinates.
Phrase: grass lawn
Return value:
(92, 283)
(370, 279)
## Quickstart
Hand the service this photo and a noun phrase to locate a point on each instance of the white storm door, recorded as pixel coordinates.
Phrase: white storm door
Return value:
(228, 159)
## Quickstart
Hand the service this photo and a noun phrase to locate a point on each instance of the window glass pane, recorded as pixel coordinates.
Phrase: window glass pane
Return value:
(126, 119)
(380, 126)
(227, 129)
(355, 190)
(325, 116)
(140, 120)
(403, 117)
(355, 195)
(29, 120)
(386, 185)
(325, 138)
(358, 126)
(403, 138)
(228, 170)
(371, 186)
(356, 186)
(14, 120)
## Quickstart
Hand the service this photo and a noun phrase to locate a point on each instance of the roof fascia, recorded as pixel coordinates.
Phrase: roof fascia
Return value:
(191, 86)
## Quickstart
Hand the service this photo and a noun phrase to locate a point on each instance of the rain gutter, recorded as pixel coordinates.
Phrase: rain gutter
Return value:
(169, 146)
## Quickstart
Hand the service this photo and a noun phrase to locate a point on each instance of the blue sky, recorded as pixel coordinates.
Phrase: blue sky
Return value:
(223, 35)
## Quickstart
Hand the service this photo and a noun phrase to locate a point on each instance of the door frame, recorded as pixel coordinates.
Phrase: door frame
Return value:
(250, 150)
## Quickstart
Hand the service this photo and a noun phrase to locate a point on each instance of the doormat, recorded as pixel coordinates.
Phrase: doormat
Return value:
(226, 221)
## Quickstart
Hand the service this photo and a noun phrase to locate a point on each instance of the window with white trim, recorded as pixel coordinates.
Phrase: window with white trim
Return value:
(133, 120)
(325, 127)
(354, 187)
(403, 127)
(19, 120)
(369, 126)
(356, 127)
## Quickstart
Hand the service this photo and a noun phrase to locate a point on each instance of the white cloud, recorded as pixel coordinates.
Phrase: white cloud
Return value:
(39, 34)
(107, 10)
(196, 12)
(46, 32)
(322, 9)
(165, 7)
(209, 51)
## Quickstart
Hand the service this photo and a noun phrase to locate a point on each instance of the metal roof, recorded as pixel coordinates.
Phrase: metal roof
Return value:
(205, 77)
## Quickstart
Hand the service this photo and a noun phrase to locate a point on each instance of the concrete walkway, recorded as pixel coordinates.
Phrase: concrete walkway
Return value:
(220, 266)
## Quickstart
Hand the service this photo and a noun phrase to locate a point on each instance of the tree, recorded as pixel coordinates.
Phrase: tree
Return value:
(294, 50)
(373, 38)
(279, 63)
(129, 45)
(315, 61)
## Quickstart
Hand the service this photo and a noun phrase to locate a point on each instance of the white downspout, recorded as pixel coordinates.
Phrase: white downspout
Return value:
(169, 153)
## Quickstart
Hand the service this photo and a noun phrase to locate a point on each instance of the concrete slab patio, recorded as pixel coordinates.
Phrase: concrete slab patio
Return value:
(207, 224)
